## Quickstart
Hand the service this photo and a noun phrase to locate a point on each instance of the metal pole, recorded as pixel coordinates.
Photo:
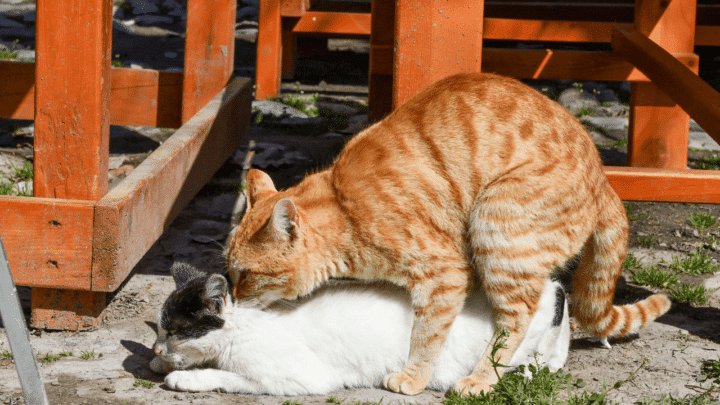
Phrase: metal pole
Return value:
(14, 322)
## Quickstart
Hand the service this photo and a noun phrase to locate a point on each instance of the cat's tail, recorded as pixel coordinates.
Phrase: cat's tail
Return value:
(594, 280)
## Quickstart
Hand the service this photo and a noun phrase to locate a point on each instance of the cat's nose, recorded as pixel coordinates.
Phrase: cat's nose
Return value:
(156, 349)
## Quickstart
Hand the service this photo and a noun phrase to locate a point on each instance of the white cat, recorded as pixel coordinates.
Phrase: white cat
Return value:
(342, 336)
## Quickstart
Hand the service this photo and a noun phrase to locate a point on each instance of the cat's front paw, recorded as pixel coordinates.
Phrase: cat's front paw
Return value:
(160, 366)
(186, 380)
(471, 386)
(402, 383)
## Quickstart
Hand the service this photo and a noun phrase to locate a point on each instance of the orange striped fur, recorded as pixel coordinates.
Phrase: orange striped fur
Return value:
(478, 178)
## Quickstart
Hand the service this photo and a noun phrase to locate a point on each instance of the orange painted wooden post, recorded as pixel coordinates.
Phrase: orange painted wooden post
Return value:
(72, 124)
(209, 52)
(380, 86)
(434, 40)
(267, 67)
(658, 130)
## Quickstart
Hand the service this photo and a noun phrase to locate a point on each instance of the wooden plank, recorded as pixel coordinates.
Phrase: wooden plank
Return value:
(209, 52)
(707, 35)
(326, 23)
(293, 8)
(434, 40)
(681, 84)
(48, 241)
(658, 128)
(267, 79)
(146, 98)
(137, 96)
(132, 216)
(665, 185)
(543, 30)
(72, 97)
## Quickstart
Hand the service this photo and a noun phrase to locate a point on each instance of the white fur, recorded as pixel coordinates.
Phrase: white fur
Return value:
(346, 337)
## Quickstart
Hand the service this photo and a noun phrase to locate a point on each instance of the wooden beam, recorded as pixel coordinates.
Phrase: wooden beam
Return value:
(693, 94)
(293, 8)
(48, 241)
(326, 23)
(209, 52)
(507, 29)
(132, 216)
(649, 184)
(267, 74)
(434, 40)
(137, 96)
(72, 125)
(146, 98)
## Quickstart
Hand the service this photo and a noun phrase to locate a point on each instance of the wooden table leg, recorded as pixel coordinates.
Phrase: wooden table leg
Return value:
(209, 52)
(434, 40)
(658, 128)
(267, 70)
(72, 131)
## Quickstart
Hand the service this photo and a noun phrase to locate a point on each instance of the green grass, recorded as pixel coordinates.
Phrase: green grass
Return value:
(702, 219)
(291, 403)
(299, 103)
(584, 112)
(708, 162)
(117, 63)
(694, 264)
(654, 277)
(51, 358)
(6, 188)
(631, 262)
(646, 241)
(87, 355)
(143, 383)
(7, 54)
(690, 295)
(629, 208)
(620, 143)
(25, 172)
(5, 354)
(334, 400)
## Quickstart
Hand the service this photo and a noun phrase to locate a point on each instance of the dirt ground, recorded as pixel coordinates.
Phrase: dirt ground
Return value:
(671, 350)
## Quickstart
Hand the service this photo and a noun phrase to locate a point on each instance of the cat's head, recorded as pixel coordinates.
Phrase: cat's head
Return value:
(190, 316)
(267, 253)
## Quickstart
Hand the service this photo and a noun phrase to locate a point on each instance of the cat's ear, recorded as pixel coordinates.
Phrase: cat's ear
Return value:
(216, 288)
(259, 184)
(183, 273)
(285, 220)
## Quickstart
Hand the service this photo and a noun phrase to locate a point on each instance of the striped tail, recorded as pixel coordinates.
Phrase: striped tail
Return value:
(594, 281)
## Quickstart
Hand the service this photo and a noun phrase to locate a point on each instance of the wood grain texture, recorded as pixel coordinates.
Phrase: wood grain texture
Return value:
(674, 79)
(433, 41)
(130, 218)
(137, 96)
(649, 184)
(267, 72)
(326, 23)
(658, 128)
(72, 118)
(48, 241)
(209, 52)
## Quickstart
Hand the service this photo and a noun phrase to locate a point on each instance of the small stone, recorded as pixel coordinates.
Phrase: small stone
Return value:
(109, 390)
(171, 55)
(336, 108)
(678, 234)
(25, 54)
(276, 109)
(575, 99)
(301, 121)
(8, 23)
(663, 244)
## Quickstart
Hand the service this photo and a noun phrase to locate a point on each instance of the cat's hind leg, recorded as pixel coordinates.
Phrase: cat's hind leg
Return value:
(519, 232)
(437, 294)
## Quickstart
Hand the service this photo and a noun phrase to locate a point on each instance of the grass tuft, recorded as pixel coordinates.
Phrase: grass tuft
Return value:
(646, 241)
(143, 383)
(702, 220)
(631, 262)
(654, 277)
(87, 355)
(696, 263)
(709, 162)
(690, 295)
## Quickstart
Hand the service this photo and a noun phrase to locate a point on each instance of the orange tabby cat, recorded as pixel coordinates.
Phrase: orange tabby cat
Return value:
(477, 177)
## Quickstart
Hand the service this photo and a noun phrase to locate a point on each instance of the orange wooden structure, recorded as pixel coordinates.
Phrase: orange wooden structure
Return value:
(414, 43)
(653, 43)
(74, 241)
(280, 21)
